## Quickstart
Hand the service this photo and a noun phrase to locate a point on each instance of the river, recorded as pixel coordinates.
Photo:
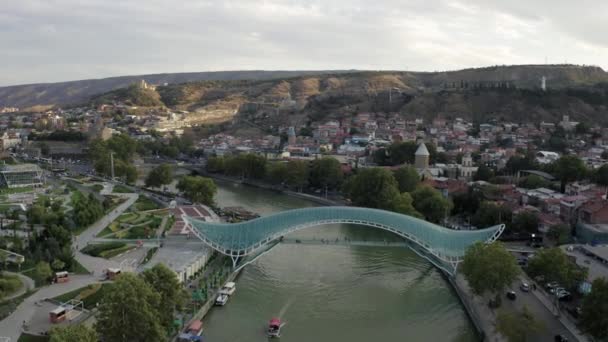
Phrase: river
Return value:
(335, 293)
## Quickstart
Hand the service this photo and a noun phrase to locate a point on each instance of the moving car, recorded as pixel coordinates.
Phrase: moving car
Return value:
(525, 287)
(560, 338)
(511, 295)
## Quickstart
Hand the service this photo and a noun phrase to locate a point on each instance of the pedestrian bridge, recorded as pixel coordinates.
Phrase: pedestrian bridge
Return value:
(444, 247)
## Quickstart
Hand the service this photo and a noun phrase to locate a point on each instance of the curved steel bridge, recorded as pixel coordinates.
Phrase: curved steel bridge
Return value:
(443, 247)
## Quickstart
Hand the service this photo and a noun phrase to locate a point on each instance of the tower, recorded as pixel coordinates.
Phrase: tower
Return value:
(291, 136)
(422, 157)
(543, 83)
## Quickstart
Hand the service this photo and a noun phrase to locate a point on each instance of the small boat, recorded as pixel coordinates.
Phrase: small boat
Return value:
(229, 288)
(274, 327)
(221, 299)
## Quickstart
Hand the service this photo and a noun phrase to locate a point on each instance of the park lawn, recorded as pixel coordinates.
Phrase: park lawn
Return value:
(6, 191)
(32, 338)
(78, 268)
(9, 284)
(115, 201)
(96, 249)
(143, 203)
(96, 187)
(90, 295)
(128, 217)
(109, 229)
(7, 307)
(114, 252)
(121, 189)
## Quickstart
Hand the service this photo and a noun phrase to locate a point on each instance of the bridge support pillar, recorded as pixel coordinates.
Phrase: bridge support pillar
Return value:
(235, 260)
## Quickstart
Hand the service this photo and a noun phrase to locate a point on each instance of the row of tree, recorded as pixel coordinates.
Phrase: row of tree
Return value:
(136, 308)
(323, 173)
(398, 191)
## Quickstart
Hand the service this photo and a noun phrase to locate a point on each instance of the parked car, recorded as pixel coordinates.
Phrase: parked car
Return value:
(525, 287)
(511, 295)
(551, 285)
(575, 312)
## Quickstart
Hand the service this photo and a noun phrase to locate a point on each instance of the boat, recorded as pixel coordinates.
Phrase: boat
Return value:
(221, 299)
(228, 289)
(274, 327)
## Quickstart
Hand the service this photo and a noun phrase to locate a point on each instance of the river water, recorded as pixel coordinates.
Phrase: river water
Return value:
(331, 293)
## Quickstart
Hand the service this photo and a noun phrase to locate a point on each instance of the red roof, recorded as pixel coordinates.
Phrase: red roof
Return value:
(275, 321)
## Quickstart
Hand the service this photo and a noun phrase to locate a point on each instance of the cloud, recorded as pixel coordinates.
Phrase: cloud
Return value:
(55, 40)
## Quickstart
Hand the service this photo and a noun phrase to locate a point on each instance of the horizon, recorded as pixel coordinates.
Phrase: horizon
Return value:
(74, 40)
(320, 71)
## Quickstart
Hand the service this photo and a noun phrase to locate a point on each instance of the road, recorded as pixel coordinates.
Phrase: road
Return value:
(28, 284)
(11, 326)
(551, 325)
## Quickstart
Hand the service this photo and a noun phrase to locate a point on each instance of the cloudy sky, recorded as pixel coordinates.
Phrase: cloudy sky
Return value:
(58, 40)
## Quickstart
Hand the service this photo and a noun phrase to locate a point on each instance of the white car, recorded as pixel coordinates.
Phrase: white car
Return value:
(525, 287)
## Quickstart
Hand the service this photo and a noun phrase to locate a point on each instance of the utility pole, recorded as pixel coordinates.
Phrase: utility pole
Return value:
(112, 164)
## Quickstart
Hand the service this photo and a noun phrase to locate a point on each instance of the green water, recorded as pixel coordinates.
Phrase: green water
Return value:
(335, 293)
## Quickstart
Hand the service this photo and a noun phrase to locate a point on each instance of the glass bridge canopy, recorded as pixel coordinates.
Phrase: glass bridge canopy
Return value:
(243, 238)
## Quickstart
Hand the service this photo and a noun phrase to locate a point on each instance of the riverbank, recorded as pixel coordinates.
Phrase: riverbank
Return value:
(262, 185)
(483, 319)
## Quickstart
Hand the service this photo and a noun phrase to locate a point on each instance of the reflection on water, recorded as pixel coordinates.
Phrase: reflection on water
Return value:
(335, 293)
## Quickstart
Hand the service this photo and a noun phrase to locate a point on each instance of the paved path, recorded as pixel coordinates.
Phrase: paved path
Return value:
(28, 284)
(12, 325)
(93, 264)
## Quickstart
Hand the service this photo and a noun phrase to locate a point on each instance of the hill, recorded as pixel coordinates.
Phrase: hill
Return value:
(74, 92)
(510, 93)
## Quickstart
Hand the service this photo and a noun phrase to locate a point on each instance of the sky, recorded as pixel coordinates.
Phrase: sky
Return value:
(61, 40)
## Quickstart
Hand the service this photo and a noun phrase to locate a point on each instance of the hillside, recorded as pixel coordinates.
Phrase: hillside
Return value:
(74, 92)
(514, 94)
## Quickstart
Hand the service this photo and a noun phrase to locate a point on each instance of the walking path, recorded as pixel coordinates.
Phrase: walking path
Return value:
(11, 326)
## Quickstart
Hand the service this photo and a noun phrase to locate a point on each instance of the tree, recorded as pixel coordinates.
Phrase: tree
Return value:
(373, 188)
(601, 175)
(490, 214)
(407, 178)
(215, 164)
(594, 317)
(403, 205)
(298, 174)
(582, 128)
(172, 295)
(431, 203)
(533, 182)
(568, 169)
(483, 173)
(197, 189)
(516, 326)
(159, 176)
(517, 163)
(43, 270)
(403, 152)
(489, 268)
(555, 265)
(561, 233)
(326, 173)
(466, 202)
(58, 265)
(277, 172)
(525, 222)
(130, 312)
(73, 333)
